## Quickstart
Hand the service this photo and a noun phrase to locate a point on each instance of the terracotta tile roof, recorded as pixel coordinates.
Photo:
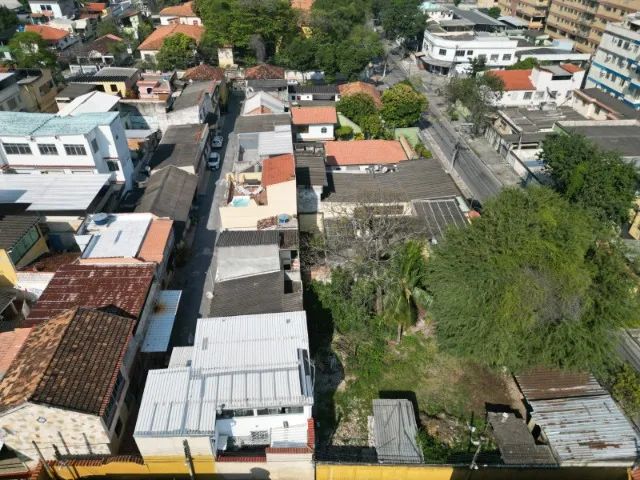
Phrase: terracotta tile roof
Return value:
(155, 241)
(304, 5)
(95, 7)
(183, 10)
(364, 152)
(204, 72)
(121, 289)
(278, 169)
(155, 40)
(103, 44)
(48, 34)
(352, 88)
(571, 68)
(514, 79)
(11, 342)
(264, 72)
(71, 361)
(51, 262)
(313, 115)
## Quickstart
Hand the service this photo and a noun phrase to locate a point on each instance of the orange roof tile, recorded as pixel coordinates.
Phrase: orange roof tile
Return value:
(313, 115)
(278, 170)
(304, 5)
(264, 72)
(48, 34)
(514, 79)
(157, 37)
(95, 7)
(10, 343)
(571, 68)
(364, 152)
(183, 10)
(204, 72)
(353, 88)
(155, 241)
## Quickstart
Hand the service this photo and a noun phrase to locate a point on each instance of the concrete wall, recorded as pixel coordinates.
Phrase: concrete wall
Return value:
(168, 446)
(271, 470)
(243, 426)
(8, 275)
(235, 262)
(316, 133)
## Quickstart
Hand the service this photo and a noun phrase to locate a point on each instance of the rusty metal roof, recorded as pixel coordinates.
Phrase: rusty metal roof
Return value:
(545, 384)
(515, 441)
(118, 289)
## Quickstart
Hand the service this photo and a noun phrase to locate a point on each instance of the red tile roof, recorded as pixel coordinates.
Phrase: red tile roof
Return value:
(183, 10)
(313, 115)
(352, 88)
(70, 361)
(204, 72)
(264, 72)
(95, 7)
(514, 79)
(304, 5)
(11, 342)
(157, 37)
(155, 241)
(122, 289)
(364, 152)
(48, 34)
(571, 68)
(278, 169)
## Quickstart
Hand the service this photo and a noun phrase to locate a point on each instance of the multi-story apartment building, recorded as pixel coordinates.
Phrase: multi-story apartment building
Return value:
(585, 21)
(615, 68)
(532, 11)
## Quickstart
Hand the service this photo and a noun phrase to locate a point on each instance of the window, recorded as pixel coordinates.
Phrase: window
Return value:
(442, 51)
(243, 412)
(459, 53)
(494, 57)
(112, 406)
(112, 166)
(323, 130)
(75, 150)
(482, 56)
(94, 145)
(17, 148)
(528, 95)
(539, 95)
(114, 87)
(47, 149)
(506, 57)
(469, 53)
(23, 245)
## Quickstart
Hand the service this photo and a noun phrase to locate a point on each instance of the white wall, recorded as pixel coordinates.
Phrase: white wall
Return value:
(170, 19)
(544, 85)
(243, 426)
(54, 8)
(499, 51)
(316, 133)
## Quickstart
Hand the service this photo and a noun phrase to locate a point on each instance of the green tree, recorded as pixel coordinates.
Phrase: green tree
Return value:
(403, 19)
(526, 64)
(298, 54)
(106, 27)
(8, 20)
(494, 12)
(402, 106)
(145, 28)
(592, 178)
(177, 52)
(533, 281)
(478, 95)
(356, 106)
(357, 50)
(30, 51)
(372, 126)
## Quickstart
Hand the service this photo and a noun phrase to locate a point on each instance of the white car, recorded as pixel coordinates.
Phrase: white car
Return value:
(216, 142)
(214, 161)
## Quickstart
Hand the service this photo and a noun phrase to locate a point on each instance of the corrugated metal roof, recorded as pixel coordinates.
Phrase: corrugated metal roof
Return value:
(13, 228)
(395, 431)
(545, 384)
(180, 357)
(25, 124)
(586, 430)
(516, 443)
(629, 345)
(439, 215)
(89, 103)
(52, 192)
(276, 142)
(161, 321)
(247, 260)
(239, 238)
(121, 237)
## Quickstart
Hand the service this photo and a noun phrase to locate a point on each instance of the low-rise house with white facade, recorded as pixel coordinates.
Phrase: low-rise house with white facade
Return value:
(314, 124)
(54, 8)
(223, 398)
(10, 98)
(544, 85)
(81, 144)
(310, 94)
(364, 155)
(54, 37)
(181, 14)
(151, 45)
(262, 103)
(595, 104)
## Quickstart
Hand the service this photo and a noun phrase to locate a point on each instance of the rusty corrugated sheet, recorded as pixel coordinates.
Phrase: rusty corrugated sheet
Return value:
(546, 384)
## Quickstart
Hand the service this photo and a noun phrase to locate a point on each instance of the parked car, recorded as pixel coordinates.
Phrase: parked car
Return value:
(217, 141)
(214, 161)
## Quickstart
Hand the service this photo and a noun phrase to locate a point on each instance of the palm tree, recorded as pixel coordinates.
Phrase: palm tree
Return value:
(406, 292)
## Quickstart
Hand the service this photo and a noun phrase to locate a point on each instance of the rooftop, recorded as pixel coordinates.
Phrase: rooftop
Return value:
(477, 17)
(622, 136)
(353, 88)
(89, 103)
(48, 34)
(203, 73)
(243, 238)
(310, 169)
(194, 93)
(544, 384)
(161, 321)
(313, 115)
(514, 79)
(103, 44)
(182, 10)
(52, 193)
(74, 90)
(24, 124)
(609, 102)
(533, 121)
(261, 123)
(264, 72)
(364, 152)
(395, 431)
(439, 215)
(261, 103)
(71, 362)
(113, 235)
(169, 193)
(156, 39)
(515, 441)
(240, 261)
(180, 146)
(311, 88)
(278, 169)
(120, 289)
(14, 227)
(156, 240)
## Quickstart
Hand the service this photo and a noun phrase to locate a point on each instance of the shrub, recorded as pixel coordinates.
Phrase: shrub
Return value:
(344, 133)
(423, 151)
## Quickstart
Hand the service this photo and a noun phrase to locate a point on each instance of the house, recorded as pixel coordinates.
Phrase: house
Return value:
(204, 73)
(101, 52)
(72, 91)
(169, 192)
(364, 155)
(353, 88)
(151, 45)
(91, 102)
(262, 103)
(544, 85)
(197, 103)
(82, 27)
(313, 124)
(555, 54)
(114, 80)
(54, 8)
(81, 144)
(271, 424)
(98, 8)
(10, 98)
(311, 178)
(261, 200)
(596, 104)
(260, 137)
(46, 398)
(312, 94)
(22, 238)
(185, 147)
(395, 432)
(181, 14)
(54, 37)
(37, 89)
(130, 21)
(268, 78)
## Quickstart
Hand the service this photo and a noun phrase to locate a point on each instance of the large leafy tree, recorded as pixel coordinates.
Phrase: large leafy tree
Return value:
(592, 178)
(535, 280)
(177, 51)
(403, 20)
(356, 106)
(402, 106)
(478, 94)
(30, 51)
(106, 27)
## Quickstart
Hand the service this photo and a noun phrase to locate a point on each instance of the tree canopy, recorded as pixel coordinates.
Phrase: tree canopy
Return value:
(402, 106)
(494, 12)
(478, 95)
(30, 51)
(108, 26)
(403, 20)
(177, 51)
(356, 106)
(8, 20)
(590, 177)
(526, 64)
(535, 280)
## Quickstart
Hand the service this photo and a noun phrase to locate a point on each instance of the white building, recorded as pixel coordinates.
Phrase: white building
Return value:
(615, 68)
(40, 143)
(53, 8)
(182, 14)
(245, 385)
(314, 123)
(10, 93)
(551, 84)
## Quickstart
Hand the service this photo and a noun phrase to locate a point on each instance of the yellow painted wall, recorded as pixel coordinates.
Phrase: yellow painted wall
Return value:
(39, 248)
(8, 275)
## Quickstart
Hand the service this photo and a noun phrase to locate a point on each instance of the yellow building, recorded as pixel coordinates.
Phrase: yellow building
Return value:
(22, 239)
(112, 80)
(532, 11)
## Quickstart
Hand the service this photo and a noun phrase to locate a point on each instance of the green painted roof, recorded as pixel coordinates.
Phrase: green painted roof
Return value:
(25, 124)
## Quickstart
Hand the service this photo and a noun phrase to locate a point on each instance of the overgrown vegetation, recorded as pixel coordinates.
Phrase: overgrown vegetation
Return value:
(29, 50)
(177, 51)
(526, 64)
(478, 94)
(402, 20)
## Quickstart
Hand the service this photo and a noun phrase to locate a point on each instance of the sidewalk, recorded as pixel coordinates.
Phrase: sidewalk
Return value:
(494, 162)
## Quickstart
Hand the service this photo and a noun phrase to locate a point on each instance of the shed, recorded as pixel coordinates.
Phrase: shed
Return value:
(395, 431)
